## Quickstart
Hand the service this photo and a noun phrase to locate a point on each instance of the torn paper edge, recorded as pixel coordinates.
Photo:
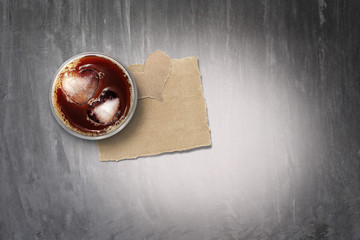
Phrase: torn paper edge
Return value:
(167, 78)
(207, 145)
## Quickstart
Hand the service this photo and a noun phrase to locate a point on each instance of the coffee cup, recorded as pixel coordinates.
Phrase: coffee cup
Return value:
(93, 96)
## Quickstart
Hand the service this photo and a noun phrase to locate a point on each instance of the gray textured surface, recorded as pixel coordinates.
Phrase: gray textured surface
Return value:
(281, 82)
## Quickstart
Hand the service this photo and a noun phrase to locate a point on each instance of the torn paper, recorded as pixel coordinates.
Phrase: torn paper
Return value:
(151, 80)
(178, 122)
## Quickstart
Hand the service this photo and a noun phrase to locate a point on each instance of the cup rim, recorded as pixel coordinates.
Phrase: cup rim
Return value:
(129, 115)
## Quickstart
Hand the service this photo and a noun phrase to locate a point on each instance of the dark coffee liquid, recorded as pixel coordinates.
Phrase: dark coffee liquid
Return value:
(112, 78)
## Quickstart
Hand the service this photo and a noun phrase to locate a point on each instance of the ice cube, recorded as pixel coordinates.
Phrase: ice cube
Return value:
(106, 108)
(80, 86)
(106, 112)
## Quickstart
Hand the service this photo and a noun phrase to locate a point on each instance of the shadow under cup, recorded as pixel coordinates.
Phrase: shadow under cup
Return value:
(93, 96)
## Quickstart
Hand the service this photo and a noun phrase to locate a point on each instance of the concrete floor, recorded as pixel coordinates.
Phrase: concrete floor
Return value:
(282, 87)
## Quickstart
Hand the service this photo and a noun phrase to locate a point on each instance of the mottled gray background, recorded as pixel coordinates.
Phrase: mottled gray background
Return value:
(281, 82)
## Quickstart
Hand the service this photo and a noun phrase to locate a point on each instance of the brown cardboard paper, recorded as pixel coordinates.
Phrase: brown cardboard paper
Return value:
(151, 79)
(178, 122)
